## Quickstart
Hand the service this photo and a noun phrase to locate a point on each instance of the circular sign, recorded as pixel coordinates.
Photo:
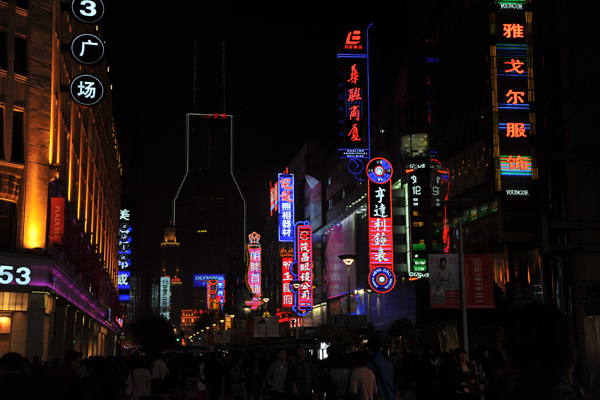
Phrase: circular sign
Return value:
(86, 89)
(87, 49)
(382, 280)
(379, 170)
(88, 11)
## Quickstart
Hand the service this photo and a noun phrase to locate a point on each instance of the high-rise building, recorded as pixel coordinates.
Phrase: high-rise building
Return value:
(60, 183)
(209, 208)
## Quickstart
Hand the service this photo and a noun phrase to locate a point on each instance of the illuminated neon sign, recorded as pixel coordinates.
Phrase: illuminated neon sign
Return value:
(124, 257)
(215, 288)
(381, 249)
(165, 297)
(287, 259)
(285, 189)
(354, 119)
(253, 276)
(302, 269)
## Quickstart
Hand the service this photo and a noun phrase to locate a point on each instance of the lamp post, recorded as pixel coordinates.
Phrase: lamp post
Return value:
(348, 259)
(458, 207)
(246, 312)
(266, 316)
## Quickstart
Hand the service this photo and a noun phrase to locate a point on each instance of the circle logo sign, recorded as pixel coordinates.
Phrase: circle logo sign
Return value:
(86, 89)
(382, 280)
(87, 49)
(88, 11)
(379, 170)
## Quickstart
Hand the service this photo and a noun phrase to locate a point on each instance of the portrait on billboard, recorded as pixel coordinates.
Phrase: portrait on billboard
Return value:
(444, 280)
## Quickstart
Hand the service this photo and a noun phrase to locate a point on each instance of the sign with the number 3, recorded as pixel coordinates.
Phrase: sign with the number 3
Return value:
(88, 11)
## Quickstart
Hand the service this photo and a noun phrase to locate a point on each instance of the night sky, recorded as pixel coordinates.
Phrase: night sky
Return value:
(281, 87)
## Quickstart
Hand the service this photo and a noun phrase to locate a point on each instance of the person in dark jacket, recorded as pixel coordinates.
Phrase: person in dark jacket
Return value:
(302, 376)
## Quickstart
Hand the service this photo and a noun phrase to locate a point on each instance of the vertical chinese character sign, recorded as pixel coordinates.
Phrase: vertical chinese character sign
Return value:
(285, 189)
(353, 64)
(165, 297)
(124, 260)
(381, 249)
(253, 278)
(87, 49)
(512, 79)
(57, 219)
(287, 258)
(302, 286)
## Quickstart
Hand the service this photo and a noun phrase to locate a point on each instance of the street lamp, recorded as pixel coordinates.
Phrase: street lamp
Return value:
(266, 316)
(348, 259)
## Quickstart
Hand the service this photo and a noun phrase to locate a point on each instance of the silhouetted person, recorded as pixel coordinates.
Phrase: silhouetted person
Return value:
(540, 345)
(14, 384)
(63, 379)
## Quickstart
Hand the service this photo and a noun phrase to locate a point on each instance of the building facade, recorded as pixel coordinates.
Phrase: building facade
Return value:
(59, 192)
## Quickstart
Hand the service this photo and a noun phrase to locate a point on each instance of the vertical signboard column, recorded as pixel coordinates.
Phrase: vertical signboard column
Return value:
(124, 261)
(303, 269)
(381, 248)
(87, 49)
(253, 276)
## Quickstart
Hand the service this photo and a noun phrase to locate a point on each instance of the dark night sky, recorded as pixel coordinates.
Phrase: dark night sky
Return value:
(281, 87)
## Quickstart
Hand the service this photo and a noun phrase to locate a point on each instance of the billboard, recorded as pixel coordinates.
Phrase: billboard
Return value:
(444, 280)
(285, 190)
(381, 248)
(287, 259)
(479, 280)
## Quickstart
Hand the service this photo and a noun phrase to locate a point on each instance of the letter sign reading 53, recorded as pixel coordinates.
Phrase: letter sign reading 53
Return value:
(88, 11)
(21, 275)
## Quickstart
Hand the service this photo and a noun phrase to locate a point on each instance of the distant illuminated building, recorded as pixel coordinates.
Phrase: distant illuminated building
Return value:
(209, 209)
(60, 183)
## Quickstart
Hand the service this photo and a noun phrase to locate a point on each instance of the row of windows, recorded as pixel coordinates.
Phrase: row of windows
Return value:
(20, 53)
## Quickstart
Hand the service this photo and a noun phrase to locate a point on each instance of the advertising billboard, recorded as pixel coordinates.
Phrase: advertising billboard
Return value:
(285, 189)
(302, 286)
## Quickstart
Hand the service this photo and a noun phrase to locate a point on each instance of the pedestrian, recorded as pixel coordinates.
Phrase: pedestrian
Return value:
(363, 385)
(463, 378)
(236, 378)
(335, 377)
(302, 376)
(160, 372)
(14, 383)
(139, 377)
(62, 380)
(257, 374)
(383, 369)
(213, 371)
(540, 347)
(277, 377)
(98, 384)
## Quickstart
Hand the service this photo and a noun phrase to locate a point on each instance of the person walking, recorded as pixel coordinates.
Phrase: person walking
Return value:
(62, 380)
(383, 369)
(277, 377)
(302, 376)
(463, 378)
(160, 372)
(139, 377)
(236, 378)
(363, 385)
(335, 377)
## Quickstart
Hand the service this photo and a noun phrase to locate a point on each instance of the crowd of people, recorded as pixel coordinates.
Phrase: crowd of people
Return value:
(537, 362)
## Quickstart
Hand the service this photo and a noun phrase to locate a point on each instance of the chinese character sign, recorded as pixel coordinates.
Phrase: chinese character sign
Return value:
(303, 274)
(287, 259)
(381, 249)
(354, 124)
(253, 277)
(285, 191)
(513, 79)
(124, 256)
(215, 288)
(479, 281)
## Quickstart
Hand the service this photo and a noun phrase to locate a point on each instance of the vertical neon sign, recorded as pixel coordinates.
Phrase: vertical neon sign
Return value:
(124, 260)
(302, 269)
(381, 249)
(287, 258)
(253, 277)
(285, 189)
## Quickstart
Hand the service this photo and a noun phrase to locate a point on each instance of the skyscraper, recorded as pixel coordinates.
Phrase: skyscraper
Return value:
(209, 208)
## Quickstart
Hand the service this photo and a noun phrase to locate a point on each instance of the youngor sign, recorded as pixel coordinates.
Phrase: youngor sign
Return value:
(381, 249)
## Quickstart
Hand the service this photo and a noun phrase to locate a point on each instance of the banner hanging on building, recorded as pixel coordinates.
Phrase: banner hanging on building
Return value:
(480, 282)
(57, 220)
(285, 189)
